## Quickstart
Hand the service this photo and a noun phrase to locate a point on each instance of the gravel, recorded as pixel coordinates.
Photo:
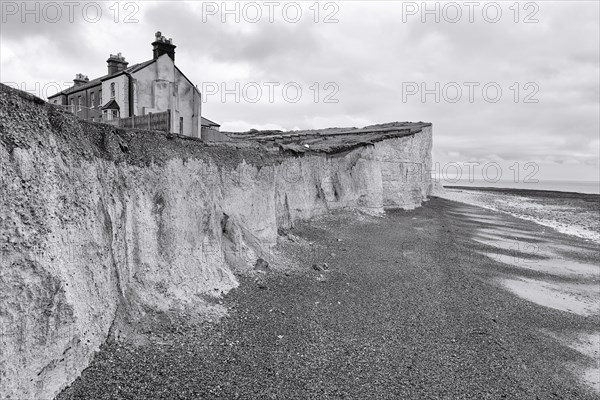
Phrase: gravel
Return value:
(401, 315)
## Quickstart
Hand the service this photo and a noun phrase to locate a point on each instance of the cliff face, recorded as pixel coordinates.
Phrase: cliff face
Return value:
(102, 230)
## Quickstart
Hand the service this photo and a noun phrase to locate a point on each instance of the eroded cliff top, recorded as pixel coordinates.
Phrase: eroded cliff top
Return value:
(27, 118)
(330, 140)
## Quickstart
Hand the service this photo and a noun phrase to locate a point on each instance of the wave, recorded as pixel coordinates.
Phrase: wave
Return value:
(575, 215)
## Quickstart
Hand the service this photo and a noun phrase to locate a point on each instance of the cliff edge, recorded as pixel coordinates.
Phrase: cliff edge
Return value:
(104, 229)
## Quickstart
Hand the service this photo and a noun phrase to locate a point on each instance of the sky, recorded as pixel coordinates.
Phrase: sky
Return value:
(512, 89)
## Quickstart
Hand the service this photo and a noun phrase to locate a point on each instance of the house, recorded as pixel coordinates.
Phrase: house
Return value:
(211, 132)
(208, 125)
(153, 94)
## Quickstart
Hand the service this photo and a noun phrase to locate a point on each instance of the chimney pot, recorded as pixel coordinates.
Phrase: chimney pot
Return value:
(162, 45)
(80, 79)
(116, 63)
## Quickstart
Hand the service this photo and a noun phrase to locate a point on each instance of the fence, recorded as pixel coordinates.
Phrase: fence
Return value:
(155, 122)
(160, 121)
(212, 135)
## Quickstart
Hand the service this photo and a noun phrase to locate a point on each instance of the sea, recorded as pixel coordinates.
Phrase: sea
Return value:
(588, 187)
(570, 207)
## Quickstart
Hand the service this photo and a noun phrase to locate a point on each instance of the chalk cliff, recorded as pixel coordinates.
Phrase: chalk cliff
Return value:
(103, 229)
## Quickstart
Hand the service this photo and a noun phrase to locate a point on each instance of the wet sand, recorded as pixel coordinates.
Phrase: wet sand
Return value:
(447, 301)
(576, 214)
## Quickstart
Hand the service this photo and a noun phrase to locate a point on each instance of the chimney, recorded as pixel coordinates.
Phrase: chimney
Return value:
(162, 45)
(80, 79)
(116, 63)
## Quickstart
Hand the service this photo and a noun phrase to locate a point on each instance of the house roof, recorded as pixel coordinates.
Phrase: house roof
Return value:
(98, 81)
(75, 89)
(111, 105)
(130, 70)
(208, 122)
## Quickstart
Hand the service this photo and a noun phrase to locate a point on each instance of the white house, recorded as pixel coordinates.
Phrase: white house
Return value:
(153, 94)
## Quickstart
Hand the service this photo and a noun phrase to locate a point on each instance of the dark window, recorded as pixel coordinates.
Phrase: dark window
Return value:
(181, 125)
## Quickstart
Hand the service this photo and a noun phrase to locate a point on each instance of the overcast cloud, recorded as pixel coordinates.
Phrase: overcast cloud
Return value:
(373, 58)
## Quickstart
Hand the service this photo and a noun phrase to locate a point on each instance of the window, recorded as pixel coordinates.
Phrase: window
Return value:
(112, 90)
(79, 103)
(92, 99)
(110, 115)
(100, 97)
(181, 125)
(72, 105)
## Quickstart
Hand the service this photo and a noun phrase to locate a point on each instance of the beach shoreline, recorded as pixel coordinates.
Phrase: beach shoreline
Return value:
(529, 192)
(576, 214)
(412, 304)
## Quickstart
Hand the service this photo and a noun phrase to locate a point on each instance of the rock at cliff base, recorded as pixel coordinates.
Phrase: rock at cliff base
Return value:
(261, 265)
